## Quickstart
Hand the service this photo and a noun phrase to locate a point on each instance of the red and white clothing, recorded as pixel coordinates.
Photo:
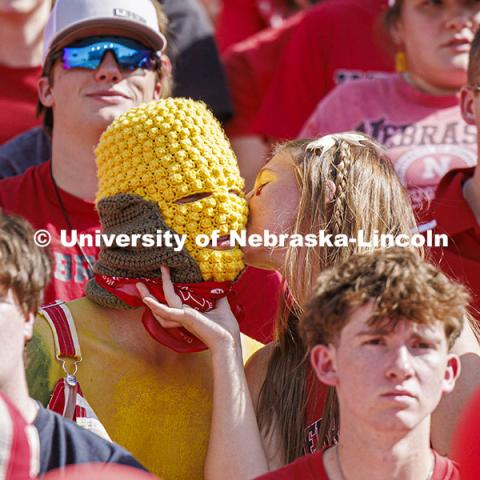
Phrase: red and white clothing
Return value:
(425, 134)
(32, 196)
(334, 43)
(310, 467)
(18, 100)
(451, 214)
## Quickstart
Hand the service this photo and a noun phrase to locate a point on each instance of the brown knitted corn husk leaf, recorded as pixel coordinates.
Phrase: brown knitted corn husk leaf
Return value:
(131, 214)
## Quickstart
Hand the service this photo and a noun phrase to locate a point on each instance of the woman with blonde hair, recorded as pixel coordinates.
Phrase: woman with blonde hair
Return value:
(341, 185)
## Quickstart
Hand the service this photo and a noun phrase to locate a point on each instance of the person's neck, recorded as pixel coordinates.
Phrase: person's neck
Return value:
(73, 163)
(471, 193)
(17, 391)
(21, 37)
(395, 456)
(426, 87)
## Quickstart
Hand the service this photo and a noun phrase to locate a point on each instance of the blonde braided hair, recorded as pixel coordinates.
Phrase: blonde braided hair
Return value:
(342, 166)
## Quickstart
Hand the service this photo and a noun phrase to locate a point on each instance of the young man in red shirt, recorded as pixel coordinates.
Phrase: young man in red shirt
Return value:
(379, 328)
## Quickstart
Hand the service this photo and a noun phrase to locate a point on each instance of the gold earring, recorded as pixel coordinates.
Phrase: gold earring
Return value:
(400, 62)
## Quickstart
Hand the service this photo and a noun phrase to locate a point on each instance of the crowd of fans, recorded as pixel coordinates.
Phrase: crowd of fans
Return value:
(293, 119)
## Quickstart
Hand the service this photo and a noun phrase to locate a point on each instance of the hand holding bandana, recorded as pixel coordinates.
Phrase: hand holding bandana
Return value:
(213, 326)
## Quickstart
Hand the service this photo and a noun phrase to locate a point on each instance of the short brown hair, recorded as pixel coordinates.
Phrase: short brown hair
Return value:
(24, 267)
(402, 285)
(164, 77)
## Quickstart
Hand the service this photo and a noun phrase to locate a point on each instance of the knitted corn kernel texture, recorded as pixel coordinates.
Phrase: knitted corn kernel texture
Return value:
(167, 151)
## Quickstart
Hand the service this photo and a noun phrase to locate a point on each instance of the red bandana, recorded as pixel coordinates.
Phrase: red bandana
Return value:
(200, 296)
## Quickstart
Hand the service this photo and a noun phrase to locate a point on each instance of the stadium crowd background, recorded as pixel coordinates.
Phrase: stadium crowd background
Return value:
(285, 79)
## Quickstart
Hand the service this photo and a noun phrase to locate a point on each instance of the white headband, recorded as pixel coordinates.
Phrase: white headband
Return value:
(329, 141)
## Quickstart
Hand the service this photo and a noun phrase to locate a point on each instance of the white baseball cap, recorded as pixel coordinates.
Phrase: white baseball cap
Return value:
(69, 19)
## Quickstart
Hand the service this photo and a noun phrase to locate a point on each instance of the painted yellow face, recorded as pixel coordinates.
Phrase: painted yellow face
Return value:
(174, 152)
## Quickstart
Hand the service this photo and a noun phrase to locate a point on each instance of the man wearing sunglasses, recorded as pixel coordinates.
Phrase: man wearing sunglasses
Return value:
(99, 60)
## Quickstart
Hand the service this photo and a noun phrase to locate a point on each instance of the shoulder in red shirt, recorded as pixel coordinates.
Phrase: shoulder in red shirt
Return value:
(308, 467)
(450, 214)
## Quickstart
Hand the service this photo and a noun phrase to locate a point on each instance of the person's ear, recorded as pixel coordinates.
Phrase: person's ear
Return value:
(28, 327)
(467, 104)
(166, 73)
(45, 92)
(322, 358)
(397, 33)
(166, 66)
(452, 372)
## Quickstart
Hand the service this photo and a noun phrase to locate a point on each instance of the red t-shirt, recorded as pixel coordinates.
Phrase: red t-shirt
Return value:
(18, 100)
(250, 67)
(450, 214)
(335, 42)
(32, 195)
(239, 19)
(310, 467)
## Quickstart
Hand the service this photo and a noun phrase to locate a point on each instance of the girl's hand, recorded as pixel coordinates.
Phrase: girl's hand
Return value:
(217, 328)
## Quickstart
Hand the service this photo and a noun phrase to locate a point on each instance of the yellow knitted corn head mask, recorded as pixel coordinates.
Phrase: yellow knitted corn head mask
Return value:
(174, 152)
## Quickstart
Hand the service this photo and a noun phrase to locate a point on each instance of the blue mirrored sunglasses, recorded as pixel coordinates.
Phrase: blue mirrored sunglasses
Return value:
(89, 52)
